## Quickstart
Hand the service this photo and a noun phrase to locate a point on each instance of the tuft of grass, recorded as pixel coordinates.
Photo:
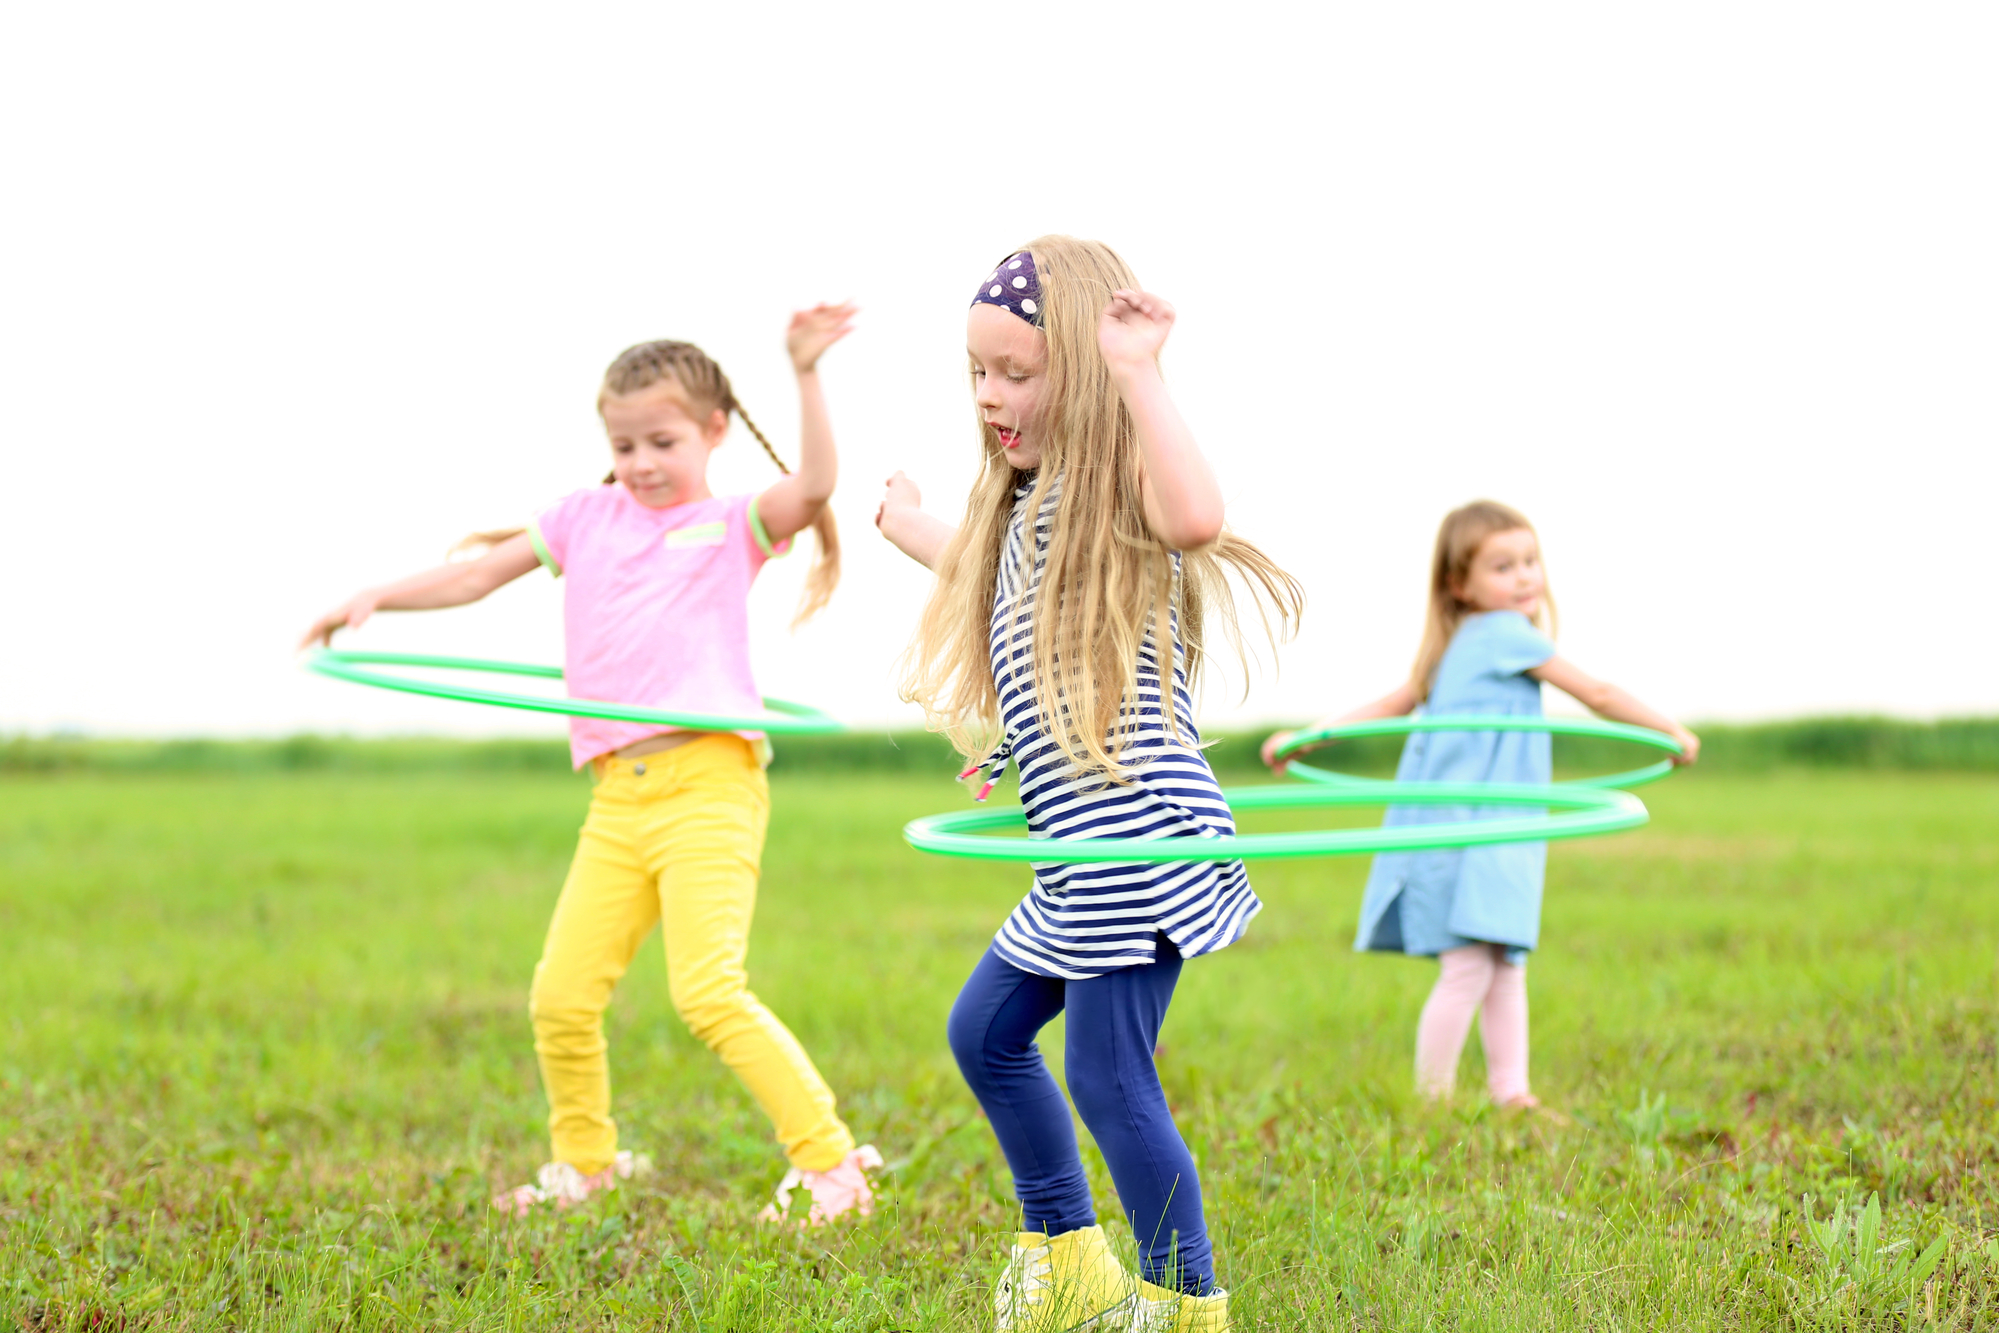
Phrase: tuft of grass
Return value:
(264, 1057)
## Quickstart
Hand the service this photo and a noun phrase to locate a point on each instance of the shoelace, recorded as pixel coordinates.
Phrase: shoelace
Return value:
(995, 764)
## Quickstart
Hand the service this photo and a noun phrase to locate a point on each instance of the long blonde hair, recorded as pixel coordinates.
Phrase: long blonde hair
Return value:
(707, 389)
(1108, 577)
(1459, 536)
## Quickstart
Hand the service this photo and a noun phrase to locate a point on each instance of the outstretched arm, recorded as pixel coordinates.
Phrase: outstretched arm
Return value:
(1609, 701)
(1183, 505)
(902, 520)
(446, 585)
(789, 505)
(1398, 702)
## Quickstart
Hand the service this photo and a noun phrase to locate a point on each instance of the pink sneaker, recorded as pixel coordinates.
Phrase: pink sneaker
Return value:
(836, 1190)
(564, 1186)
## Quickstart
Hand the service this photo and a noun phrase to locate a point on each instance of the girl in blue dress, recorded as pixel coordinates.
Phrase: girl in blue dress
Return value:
(1064, 636)
(1487, 648)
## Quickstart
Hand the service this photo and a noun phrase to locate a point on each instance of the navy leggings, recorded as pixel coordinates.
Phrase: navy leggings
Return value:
(1112, 1029)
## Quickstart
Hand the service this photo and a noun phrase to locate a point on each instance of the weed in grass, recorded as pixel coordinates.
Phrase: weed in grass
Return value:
(1858, 1268)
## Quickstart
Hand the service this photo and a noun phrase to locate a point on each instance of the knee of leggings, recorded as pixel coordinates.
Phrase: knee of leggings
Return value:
(558, 1007)
(706, 1015)
(1095, 1089)
(985, 1062)
(967, 1042)
(564, 1025)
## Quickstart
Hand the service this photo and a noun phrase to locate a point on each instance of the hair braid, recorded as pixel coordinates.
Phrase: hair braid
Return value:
(761, 438)
(706, 387)
(825, 574)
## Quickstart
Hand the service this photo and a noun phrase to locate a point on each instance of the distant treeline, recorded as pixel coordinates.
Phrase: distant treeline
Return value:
(1950, 745)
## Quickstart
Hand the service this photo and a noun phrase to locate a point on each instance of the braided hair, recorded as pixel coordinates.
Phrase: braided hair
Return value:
(692, 369)
(707, 388)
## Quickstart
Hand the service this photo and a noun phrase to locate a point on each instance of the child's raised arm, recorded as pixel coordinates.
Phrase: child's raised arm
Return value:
(1398, 702)
(788, 506)
(1183, 504)
(1608, 700)
(446, 585)
(901, 519)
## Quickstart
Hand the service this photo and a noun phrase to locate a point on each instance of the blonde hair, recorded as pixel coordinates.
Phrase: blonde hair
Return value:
(1108, 580)
(1459, 537)
(707, 390)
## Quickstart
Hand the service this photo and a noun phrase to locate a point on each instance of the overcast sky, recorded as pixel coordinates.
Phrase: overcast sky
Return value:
(295, 297)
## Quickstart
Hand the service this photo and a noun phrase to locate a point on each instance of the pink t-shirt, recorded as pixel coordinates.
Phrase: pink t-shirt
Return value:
(655, 606)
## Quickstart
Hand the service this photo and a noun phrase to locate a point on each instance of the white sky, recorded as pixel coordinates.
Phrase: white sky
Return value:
(295, 297)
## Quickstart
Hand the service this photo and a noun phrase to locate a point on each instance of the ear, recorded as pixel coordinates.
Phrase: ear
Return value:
(715, 427)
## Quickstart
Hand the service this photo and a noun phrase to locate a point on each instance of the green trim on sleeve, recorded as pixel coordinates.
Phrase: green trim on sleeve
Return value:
(763, 538)
(541, 549)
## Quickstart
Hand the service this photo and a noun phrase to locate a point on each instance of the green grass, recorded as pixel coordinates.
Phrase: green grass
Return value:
(264, 1056)
(1947, 745)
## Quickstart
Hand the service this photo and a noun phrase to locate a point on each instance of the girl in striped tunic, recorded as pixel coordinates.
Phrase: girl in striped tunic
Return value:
(1064, 636)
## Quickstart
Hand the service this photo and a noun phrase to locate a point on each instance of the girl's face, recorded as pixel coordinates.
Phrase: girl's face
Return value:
(1505, 575)
(659, 449)
(1009, 371)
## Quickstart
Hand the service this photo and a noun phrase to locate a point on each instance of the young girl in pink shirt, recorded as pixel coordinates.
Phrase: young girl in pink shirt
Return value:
(656, 573)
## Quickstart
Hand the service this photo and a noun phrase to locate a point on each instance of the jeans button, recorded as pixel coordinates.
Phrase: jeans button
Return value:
(639, 769)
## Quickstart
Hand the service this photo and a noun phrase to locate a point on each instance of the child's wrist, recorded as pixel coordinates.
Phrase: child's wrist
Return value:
(1126, 373)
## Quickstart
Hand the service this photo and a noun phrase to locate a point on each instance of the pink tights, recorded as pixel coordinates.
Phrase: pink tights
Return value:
(1475, 978)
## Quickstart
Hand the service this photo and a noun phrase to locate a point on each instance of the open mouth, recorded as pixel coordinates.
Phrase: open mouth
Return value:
(1009, 439)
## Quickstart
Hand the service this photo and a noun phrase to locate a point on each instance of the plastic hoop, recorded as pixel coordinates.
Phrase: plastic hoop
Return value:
(1563, 726)
(1588, 811)
(782, 719)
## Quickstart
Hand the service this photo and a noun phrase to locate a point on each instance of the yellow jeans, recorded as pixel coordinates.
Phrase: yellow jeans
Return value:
(673, 837)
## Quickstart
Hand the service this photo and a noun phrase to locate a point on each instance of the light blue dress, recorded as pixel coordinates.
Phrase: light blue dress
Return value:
(1426, 902)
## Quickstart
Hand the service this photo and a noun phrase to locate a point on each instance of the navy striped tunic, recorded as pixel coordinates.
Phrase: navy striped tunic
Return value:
(1084, 920)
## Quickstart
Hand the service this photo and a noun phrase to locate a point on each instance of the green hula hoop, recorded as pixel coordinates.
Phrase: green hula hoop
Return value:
(1586, 812)
(1562, 726)
(782, 719)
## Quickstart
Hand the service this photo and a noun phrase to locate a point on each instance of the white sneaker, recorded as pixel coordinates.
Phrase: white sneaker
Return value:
(1159, 1310)
(839, 1189)
(1063, 1284)
(564, 1186)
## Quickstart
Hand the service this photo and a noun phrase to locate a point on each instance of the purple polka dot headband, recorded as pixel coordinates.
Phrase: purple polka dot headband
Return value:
(1013, 288)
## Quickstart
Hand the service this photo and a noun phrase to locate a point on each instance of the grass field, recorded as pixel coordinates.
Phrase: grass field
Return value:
(264, 1056)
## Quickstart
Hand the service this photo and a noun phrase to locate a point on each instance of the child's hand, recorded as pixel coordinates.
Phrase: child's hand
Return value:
(1270, 745)
(901, 519)
(1690, 747)
(1133, 328)
(901, 493)
(351, 614)
(813, 331)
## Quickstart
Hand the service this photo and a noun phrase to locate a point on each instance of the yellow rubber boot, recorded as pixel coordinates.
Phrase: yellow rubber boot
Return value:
(1162, 1310)
(1070, 1283)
